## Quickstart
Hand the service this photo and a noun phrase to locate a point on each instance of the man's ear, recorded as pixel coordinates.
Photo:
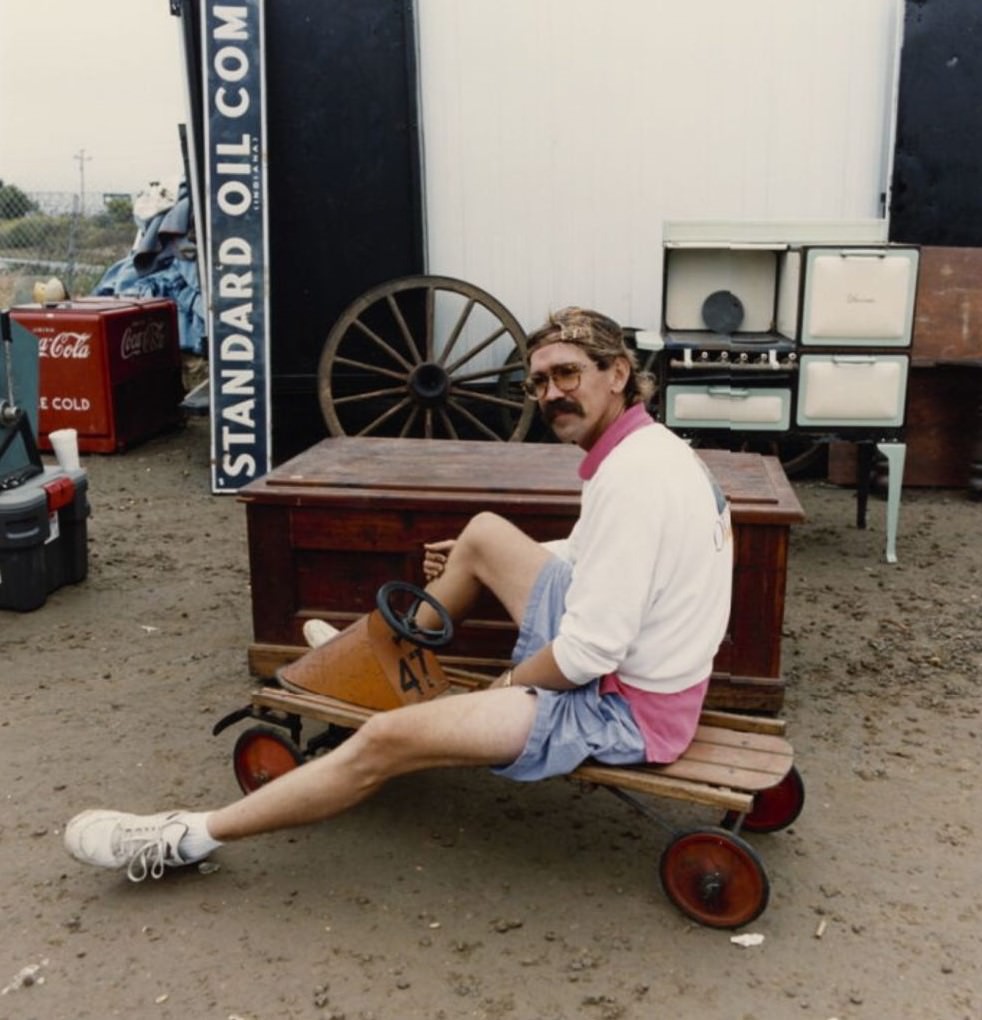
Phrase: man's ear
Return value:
(621, 374)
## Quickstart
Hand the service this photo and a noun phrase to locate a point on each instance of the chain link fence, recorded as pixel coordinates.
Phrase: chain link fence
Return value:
(59, 234)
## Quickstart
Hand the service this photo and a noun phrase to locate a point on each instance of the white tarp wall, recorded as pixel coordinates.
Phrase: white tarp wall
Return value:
(559, 135)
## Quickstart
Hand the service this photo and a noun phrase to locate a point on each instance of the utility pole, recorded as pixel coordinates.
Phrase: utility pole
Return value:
(79, 212)
(82, 160)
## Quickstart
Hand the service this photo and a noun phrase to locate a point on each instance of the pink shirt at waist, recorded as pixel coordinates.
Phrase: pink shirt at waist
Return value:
(667, 721)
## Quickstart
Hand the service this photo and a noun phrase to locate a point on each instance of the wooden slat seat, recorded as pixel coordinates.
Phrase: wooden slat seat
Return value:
(716, 769)
(731, 758)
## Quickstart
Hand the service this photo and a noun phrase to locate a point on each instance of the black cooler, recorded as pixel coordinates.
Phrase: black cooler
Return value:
(43, 537)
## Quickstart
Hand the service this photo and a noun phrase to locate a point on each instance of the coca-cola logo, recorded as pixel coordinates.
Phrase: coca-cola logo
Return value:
(65, 345)
(142, 338)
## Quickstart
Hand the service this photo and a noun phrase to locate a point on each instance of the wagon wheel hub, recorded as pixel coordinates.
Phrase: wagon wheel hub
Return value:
(429, 384)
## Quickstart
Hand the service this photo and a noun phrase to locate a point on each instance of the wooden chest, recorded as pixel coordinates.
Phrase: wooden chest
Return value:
(329, 527)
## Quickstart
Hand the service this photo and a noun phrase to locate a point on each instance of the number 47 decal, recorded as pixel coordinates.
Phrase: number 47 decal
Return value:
(408, 680)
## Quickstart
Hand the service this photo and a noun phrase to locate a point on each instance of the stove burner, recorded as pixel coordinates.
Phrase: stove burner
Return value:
(722, 312)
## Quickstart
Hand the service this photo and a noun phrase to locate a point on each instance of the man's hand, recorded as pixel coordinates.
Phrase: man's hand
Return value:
(435, 557)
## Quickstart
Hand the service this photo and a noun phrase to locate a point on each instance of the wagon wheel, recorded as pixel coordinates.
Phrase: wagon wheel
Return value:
(715, 878)
(261, 755)
(799, 455)
(422, 357)
(775, 808)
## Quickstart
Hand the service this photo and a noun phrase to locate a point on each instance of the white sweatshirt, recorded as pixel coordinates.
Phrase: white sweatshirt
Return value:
(652, 557)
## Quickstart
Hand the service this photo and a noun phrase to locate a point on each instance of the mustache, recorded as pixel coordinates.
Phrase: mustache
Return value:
(562, 406)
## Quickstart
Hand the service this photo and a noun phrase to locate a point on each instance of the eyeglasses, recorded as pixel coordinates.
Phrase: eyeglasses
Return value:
(566, 377)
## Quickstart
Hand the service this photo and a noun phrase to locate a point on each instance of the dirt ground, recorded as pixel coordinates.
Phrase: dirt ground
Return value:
(457, 894)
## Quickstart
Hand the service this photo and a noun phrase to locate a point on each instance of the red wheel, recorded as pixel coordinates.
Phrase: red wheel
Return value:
(715, 878)
(775, 808)
(261, 755)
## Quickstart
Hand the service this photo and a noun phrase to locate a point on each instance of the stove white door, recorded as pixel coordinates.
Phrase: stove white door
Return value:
(861, 390)
(859, 297)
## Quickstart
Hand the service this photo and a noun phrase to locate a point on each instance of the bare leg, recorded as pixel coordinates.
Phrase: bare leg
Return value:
(489, 553)
(489, 727)
(483, 728)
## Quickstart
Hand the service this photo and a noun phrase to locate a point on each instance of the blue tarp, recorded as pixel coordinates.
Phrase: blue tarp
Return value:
(163, 262)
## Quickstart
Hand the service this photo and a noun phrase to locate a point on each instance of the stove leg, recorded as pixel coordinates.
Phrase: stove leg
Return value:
(864, 471)
(896, 454)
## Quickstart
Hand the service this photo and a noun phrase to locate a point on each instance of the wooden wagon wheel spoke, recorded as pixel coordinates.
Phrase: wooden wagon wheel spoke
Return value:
(366, 367)
(473, 419)
(383, 418)
(392, 391)
(410, 421)
(474, 351)
(404, 329)
(407, 340)
(430, 320)
(379, 342)
(484, 375)
(448, 424)
(456, 331)
(486, 398)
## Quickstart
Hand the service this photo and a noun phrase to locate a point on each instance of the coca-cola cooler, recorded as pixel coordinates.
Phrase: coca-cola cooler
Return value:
(109, 368)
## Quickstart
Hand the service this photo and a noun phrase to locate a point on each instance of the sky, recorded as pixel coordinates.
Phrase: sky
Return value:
(93, 86)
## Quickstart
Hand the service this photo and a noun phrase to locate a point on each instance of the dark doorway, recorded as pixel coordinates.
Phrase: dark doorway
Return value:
(937, 182)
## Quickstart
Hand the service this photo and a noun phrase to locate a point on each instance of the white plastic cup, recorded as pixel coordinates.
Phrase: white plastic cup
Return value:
(64, 442)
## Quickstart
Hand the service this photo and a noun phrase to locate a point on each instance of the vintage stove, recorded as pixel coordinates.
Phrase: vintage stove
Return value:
(788, 329)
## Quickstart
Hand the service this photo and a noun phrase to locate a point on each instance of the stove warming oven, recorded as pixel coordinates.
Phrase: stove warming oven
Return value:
(802, 336)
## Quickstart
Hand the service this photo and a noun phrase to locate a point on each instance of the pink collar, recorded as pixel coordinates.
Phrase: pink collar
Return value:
(634, 418)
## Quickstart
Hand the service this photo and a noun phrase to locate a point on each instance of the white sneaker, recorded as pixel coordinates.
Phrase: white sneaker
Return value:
(143, 844)
(318, 632)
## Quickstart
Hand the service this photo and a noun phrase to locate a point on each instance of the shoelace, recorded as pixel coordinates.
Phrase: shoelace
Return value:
(152, 857)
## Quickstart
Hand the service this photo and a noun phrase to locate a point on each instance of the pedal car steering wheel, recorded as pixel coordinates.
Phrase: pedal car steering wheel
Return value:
(404, 625)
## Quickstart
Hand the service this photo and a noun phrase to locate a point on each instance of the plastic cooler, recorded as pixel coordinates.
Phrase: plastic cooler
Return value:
(110, 368)
(43, 537)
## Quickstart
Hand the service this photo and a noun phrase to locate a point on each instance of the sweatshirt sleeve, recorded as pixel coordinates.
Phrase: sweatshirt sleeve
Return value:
(618, 538)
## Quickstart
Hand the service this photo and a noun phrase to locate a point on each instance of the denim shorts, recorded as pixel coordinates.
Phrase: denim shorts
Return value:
(570, 726)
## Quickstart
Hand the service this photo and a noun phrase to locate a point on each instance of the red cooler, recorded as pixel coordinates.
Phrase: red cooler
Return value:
(110, 368)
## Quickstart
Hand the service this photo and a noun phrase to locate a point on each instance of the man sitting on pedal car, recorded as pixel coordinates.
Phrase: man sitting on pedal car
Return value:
(619, 624)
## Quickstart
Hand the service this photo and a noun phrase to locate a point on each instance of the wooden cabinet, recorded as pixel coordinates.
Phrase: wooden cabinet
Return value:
(747, 669)
(329, 527)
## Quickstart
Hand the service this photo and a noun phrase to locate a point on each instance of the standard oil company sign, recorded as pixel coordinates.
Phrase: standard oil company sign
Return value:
(237, 248)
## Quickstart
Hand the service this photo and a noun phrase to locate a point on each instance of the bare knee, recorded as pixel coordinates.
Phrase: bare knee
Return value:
(379, 748)
(489, 553)
(483, 532)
